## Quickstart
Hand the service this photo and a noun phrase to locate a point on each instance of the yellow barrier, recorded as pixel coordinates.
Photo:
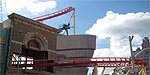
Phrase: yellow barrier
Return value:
(142, 70)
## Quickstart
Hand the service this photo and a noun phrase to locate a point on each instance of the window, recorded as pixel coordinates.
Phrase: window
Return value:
(33, 44)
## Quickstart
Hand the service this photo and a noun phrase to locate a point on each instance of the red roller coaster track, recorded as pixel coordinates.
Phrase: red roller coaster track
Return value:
(86, 62)
(55, 14)
(59, 13)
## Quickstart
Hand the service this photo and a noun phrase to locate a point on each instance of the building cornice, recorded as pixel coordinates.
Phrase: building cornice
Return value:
(32, 23)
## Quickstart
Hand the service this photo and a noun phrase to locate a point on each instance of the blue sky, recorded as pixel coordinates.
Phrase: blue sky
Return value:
(112, 21)
(88, 11)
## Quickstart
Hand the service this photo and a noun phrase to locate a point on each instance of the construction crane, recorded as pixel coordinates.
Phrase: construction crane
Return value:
(59, 13)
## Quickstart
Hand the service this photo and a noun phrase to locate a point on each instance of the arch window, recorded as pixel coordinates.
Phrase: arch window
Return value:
(33, 44)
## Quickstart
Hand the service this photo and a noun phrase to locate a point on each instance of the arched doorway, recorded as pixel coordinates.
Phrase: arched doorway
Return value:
(35, 47)
(32, 50)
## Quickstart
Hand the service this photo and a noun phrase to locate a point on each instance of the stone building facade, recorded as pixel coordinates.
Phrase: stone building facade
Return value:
(31, 39)
(144, 53)
(73, 47)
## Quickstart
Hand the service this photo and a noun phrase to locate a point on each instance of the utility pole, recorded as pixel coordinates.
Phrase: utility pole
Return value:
(132, 56)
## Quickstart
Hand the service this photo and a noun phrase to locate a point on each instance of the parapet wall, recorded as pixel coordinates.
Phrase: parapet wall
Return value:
(76, 45)
(76, 41)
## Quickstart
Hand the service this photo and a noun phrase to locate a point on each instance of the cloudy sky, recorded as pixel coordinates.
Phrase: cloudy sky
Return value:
(112, 21)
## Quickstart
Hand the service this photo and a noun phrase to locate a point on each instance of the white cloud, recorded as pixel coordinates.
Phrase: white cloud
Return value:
(33, 6)
(121, 24)
(116, 28)
(119, 47)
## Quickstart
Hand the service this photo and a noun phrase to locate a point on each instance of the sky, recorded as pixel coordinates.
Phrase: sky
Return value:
(111, 21)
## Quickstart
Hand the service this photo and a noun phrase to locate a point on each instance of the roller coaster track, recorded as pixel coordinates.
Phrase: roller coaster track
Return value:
(84, 62)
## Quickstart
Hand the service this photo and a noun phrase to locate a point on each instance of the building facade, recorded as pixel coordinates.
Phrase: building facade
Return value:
(31, 40)
(144, 53)
(73, 47)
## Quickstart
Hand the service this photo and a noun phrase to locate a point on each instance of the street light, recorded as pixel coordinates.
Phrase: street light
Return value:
(132, 56)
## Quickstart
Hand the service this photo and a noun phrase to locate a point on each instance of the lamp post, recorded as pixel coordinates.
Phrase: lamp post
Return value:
(132, 56)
